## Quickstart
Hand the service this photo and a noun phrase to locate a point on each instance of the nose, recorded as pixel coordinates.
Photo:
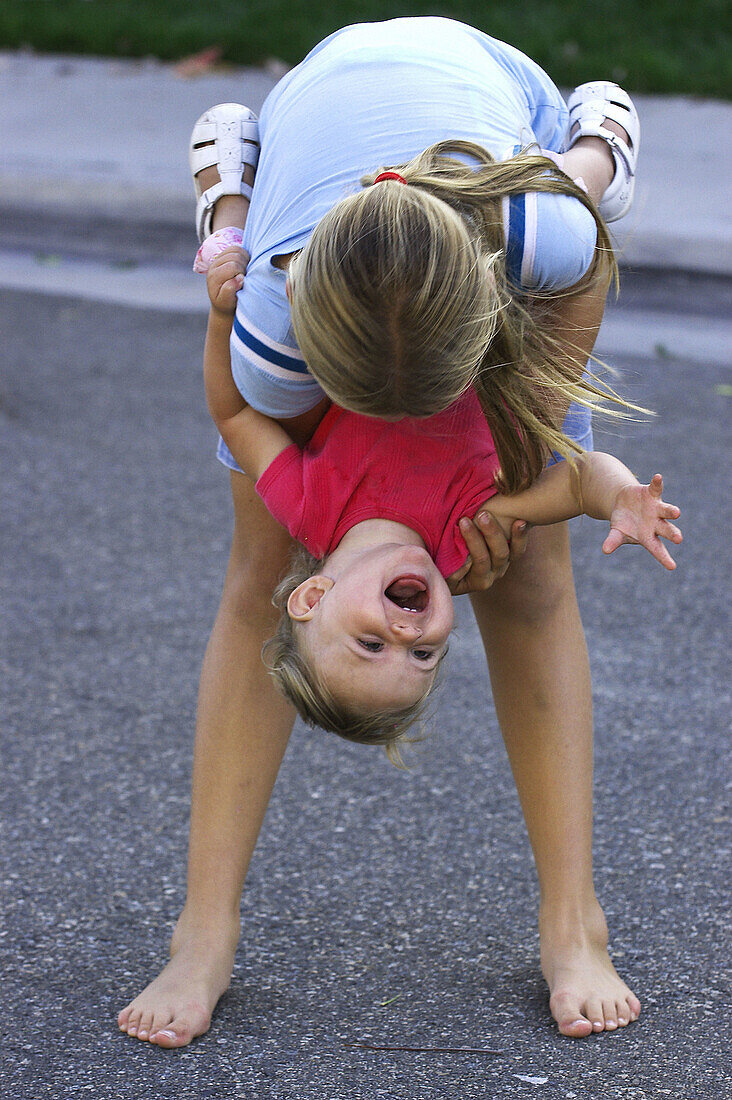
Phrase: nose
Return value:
(408, 632)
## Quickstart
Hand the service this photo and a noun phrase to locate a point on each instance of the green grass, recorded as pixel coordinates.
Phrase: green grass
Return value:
(661, 46)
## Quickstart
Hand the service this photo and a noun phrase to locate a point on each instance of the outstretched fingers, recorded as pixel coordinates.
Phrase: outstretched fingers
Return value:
(641, 516)
(669, 531)
(615, 539)
(660, 553)
(656, 486)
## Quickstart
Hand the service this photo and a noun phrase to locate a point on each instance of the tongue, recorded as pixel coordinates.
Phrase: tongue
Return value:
(403, 589)
(408, 593)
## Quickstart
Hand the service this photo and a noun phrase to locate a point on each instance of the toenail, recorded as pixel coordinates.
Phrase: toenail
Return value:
(168, 1034)
(622, 1020)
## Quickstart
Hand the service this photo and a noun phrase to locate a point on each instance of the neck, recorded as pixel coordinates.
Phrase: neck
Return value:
(371, 533)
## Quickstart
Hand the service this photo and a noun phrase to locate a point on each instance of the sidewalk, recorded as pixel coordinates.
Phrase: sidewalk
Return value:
(109, 138)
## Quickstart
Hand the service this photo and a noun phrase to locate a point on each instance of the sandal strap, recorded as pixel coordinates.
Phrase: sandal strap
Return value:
(208, 131)
(589, 106)
(621, 151)
(207, 201)
(206, 157)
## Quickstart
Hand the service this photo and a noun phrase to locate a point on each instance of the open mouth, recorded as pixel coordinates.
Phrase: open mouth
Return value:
(409, 593)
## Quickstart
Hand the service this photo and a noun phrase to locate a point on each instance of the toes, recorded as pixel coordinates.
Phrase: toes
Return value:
(595, 1014)
(576, 1028)
(181, 1029)
(570, 1021)
(161, 1019)
(133, 1021)
(162, 1027)
(610, 1015)
(168, 1037)
(622, 1012)
(144, 1026)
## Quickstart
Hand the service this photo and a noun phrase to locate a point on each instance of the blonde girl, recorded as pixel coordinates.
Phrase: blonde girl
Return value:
(389, 317)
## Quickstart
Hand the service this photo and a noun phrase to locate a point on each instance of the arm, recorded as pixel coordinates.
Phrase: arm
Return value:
(253, 439)
(600, 487)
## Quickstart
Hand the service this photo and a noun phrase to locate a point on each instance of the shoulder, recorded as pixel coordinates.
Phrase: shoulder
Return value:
(550, 240)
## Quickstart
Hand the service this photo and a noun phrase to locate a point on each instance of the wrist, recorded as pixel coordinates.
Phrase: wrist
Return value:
(221, 318)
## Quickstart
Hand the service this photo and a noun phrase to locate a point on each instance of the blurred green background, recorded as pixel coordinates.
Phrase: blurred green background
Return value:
(662, 46)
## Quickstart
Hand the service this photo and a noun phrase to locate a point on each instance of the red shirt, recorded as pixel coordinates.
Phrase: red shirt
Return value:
(426, 474)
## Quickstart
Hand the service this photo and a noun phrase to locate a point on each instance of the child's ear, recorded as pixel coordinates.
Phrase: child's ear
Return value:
(306, 597)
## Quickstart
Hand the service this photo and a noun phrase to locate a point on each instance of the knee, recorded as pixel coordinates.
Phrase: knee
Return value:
(536, 602)
(250, 581)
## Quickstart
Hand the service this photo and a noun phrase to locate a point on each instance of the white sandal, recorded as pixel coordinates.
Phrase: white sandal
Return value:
(227, 136)
(589, 106)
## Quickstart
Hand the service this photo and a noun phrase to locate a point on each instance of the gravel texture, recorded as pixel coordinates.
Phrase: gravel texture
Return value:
(369, 885)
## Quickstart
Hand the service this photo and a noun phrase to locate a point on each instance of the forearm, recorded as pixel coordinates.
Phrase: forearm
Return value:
(222, 397)
(563, 491)
(601, 477)
(254, 439)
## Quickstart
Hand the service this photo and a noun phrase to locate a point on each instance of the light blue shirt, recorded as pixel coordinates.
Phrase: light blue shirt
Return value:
(373, 95)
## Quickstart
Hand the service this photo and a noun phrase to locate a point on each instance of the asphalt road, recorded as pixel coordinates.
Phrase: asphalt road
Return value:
(369, 885)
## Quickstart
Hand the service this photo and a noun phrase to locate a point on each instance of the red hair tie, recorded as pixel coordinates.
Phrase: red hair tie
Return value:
(390, 176)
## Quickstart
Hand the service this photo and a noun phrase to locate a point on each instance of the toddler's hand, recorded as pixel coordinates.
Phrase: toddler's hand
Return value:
(225, 277)
(640, 516)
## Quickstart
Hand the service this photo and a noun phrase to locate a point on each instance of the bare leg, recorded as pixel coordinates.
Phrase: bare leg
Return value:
(230, 209)
(537, 656)
(590, 158)
(242, 731)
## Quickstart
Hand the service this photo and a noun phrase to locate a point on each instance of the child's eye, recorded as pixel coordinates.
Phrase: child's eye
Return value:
(422, 654)
(373, 647)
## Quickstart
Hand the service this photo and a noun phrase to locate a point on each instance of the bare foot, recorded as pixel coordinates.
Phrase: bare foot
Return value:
(586, 993)
(177, 1006)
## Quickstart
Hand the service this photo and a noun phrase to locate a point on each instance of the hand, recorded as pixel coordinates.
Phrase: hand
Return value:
(225, 278)
(640, 516)
(489, 553)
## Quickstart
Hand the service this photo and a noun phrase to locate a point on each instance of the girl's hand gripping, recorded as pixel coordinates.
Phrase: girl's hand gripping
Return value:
(225, 278)
(640, 516)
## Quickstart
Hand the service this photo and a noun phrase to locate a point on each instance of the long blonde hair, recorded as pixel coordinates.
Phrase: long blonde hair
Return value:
(401, 300)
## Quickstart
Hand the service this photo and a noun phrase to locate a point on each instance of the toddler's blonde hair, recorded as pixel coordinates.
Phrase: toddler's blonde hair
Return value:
(401, 301)
(314, 702)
